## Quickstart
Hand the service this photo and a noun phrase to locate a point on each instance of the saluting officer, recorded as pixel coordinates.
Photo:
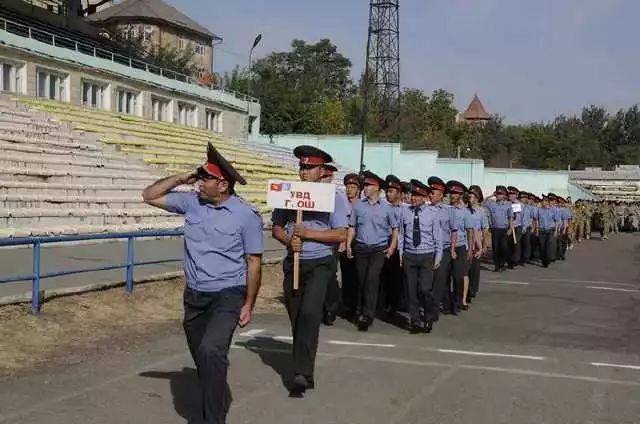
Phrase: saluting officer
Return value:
(420, 244)
(373, 224)
(315, 239)
(392, 288)
(348, 265)
(500, 221)
(222, 263)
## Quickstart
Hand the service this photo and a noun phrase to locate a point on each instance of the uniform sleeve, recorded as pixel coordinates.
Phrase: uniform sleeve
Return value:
(452, 220)
(401, 230)
(352, 217)
(438, 237)
(339, 215)
(468, 221)
(485, 219)
(252, 234)
(393, 218)
(180, 202)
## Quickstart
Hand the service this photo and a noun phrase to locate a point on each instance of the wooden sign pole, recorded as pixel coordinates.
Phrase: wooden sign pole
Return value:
(296, 257)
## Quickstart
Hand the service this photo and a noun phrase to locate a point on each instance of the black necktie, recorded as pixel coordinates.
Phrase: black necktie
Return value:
(416, 228)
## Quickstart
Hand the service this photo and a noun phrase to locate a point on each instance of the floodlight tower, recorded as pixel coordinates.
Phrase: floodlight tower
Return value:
(382, 68)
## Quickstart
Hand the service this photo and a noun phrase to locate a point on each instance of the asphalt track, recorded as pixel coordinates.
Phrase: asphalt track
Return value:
(557, 345)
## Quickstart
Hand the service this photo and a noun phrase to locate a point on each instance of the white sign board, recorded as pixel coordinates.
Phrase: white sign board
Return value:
(300, 195)
(516, 207)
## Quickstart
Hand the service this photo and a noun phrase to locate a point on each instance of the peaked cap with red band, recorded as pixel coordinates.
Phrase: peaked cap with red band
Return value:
(437, 184)
(500, 189)
(419, 188)
(328, 170)
(219, 167)
(310, 155)
(372, 179)
(513, 190)
(456, 187)
(406, 187)
(477, 191)
(393, 182)
(351, 179)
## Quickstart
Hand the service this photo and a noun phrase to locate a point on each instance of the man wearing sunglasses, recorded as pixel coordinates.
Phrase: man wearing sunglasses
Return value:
(223, 251)
(316, 239)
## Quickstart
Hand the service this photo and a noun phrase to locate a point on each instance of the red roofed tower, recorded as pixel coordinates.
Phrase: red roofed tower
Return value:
(475, 113)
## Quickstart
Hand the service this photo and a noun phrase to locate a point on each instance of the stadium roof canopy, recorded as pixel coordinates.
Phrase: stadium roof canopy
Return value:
(150, 10)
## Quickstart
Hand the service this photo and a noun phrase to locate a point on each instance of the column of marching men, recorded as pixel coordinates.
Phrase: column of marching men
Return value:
(413, 246)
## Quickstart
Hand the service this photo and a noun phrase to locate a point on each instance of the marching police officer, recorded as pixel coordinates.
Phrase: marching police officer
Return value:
(514, 240)
(420, 243)
(332, 299)
(222, 264)
(374, 226)
(392, 289)
(348, 265)
(500, 222)
(315, 239)
(546, 231)
(480, 222)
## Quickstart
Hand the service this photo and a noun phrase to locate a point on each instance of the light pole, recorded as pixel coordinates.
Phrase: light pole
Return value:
(255, 44)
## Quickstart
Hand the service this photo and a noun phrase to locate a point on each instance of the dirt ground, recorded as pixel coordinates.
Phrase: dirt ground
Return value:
(71, 328)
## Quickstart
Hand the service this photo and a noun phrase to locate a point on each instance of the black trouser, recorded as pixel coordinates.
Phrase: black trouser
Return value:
(332, 299)
(369, 262)
(418, 277)
(305, 308)
(515, 250)
(474, 277)
(546, 242)
(209, 322)
(392, 291)
(561, 248)
(499, 246)
(441, 279)
(459, 268)
(525, 240)
(349, 283)
(554, 247)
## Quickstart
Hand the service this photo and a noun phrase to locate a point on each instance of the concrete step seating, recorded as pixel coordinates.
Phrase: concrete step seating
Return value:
(52, 230)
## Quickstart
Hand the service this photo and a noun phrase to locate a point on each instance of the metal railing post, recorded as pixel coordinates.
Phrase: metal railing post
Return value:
(29, 30)
(130, 262)
(35, 282)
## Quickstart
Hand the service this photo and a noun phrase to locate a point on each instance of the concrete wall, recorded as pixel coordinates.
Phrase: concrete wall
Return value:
(389, 158)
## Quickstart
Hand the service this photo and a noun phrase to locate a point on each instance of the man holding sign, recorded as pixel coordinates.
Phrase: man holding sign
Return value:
(314, 238)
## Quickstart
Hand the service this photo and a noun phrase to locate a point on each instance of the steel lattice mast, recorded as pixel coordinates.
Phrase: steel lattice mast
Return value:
(382, 70)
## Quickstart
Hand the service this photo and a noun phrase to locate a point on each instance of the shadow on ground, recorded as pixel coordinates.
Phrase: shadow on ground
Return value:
(274, 354)
(185, 390)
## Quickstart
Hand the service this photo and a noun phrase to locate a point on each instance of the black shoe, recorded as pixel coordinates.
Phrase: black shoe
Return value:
(298, 386)
(311, 384)
(464, 307)
(497, 269)
(363, 324)
(428, 326)
(329, 318)
(416, 328)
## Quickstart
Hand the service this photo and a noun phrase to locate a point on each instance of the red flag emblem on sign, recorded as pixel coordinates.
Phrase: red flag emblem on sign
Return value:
(276, 187)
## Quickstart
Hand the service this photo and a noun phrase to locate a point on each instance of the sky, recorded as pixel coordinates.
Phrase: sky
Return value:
(528, 60)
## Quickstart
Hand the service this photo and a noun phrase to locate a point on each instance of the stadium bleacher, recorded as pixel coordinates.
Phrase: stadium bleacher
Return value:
(69, 169)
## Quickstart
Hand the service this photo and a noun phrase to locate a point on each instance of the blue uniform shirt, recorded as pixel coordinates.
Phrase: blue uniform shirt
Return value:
(373, 222)
(557, 214)
(463, 222)
(499, 213)
(447, 223)
(311, 249)
(527, 216)
(546, 218)
(216, 240)
(430, 231)
(479, 219)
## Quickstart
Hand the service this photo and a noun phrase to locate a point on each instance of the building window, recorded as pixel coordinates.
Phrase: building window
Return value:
(127, 102)
(147, 33)
(10, 77)
(252, 119)
(214, 120)
(199, 48)
(160, 109)
(187, 115)
(181, 43)
(51, 85)
(94, 94)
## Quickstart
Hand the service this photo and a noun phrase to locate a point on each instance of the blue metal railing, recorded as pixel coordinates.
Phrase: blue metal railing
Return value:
(37, 242)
